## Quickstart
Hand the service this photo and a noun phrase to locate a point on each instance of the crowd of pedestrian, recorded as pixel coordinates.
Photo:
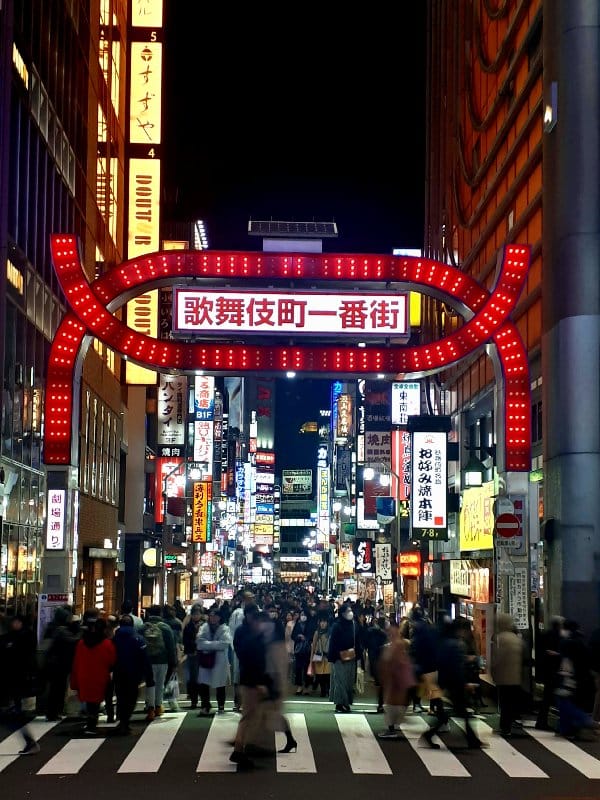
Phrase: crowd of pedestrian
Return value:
(268, 639)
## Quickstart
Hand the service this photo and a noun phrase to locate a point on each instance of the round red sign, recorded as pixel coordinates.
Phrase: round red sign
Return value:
(508, 525)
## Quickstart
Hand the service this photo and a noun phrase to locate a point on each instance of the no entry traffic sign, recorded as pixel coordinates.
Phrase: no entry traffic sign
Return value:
(508, 525)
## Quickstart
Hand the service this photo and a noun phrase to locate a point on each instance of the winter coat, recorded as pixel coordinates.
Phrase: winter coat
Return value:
(396, 673)
(424, 647)
(508, 651)
(575, 674)
(302, 638)
(17, 663)
(376, 640)
(250, 649)
(190, 632)
(320, 646)
(92, 665)
(236, 618)
(218, 641)
(343, 637)
(132, 665)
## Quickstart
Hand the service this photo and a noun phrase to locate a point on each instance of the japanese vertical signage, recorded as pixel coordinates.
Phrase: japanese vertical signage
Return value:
(55, 523)
(517, 597)
(429, 489)
(169, 480)
(363, 556)
(171, 410)
(383, 561)
(406, 401)
(145, 110)
(401, 465)
(477, 518)
(204, 397)
(201, 511)
(323, 505)
(203, 444)
(344, 416)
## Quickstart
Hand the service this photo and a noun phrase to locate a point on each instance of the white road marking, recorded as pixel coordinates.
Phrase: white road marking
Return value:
(71, 758)
(303, 760)
(562, 748)
(216, 751)
(439, 763)
(153, 745)
(502, 752)
(365, 755)
(9, 747)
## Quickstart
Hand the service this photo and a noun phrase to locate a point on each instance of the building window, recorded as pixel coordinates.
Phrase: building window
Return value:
(536, 422)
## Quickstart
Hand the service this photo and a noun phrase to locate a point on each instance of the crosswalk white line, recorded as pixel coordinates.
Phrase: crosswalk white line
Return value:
(567, 751)
(365, 755)
(153, 745)
(216, 751)
(502, 752)
(439, 763)
(9, 747)
(303, 759)
(71, 758)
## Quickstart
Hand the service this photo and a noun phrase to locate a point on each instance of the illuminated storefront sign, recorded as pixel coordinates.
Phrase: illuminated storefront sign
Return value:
(203, 444)
(146, 91)
(410, 564)
(296, 481)
(171, 412)
(204, 397)
(363, 556)
(476, 531)
(55, 530)
(282, 313)
(429, 488)
(344, 427)
(147, 13)
(401, 465)
(169, 480)
(383, 561)
(201, 511)
(406, 401)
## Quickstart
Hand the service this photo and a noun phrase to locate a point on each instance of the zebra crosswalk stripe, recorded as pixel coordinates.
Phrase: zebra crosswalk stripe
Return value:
(365, 755)
(303, 759)
(567, 751)
(152, 746)
(71, 758)
(9, 747)
(510, 761)
(216, 751)
(439, 763)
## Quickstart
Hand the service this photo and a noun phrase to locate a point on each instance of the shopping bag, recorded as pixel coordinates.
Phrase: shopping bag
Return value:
(171, 691)
(359, 686)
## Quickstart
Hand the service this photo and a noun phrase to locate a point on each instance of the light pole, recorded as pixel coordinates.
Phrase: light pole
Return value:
(384, 471)
(161, 560)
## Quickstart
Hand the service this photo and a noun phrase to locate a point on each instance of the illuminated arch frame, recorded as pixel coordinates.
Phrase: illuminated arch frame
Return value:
(92, 307)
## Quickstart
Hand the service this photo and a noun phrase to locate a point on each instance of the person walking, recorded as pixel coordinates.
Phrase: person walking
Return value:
(452, 679)
(547, 666)
(57, 651)
(236, 618)
(162, 652)
(377, 638)
(396, 677)
(18, 679)
(213, 644)
(319, 662)
(190, 652)
(508, 653)
(344, 652)
(576, 685)
(301, 637)
(95, 657)
(131, 668)
(250, 648)
(277, 676)
(127, 608)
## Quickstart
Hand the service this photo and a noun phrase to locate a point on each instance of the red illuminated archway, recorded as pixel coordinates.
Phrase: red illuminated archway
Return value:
(92, 306)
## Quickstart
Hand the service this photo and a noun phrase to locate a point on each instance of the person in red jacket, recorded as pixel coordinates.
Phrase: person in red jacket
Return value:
(95, 657)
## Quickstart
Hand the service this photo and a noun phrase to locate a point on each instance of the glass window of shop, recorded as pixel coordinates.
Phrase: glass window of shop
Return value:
(19, 568)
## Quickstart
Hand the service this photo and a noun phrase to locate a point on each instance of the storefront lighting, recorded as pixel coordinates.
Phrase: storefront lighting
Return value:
(473, 472)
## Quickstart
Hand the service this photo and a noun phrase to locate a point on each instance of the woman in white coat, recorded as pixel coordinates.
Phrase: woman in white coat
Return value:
(213, 643)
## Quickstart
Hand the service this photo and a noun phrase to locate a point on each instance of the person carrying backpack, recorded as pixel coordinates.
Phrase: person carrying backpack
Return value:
(162, 653)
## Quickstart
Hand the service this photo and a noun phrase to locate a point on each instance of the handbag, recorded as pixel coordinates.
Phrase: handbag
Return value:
(206, 658)
(317, 657)
(348, 655)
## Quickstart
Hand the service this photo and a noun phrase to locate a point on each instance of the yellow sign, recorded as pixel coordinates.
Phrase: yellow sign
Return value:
(200, 517)
(263, 530)
(477, 518)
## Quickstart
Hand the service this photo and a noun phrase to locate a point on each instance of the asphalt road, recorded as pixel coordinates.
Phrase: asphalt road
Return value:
(339, 756)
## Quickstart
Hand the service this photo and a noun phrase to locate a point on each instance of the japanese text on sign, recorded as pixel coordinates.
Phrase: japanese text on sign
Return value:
(280, 312)
(429, 486)
(55, 531)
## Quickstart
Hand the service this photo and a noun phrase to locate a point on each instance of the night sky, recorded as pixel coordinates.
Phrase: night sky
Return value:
(312, 113)
(307, 115)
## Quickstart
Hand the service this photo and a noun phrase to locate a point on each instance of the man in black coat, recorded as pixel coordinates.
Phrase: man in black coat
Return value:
(546, 668)
(132, 667)
(18, 676)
